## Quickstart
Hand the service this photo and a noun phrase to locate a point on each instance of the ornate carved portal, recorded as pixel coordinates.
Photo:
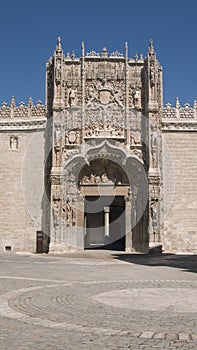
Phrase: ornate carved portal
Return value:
(105, 139)
(101, 202)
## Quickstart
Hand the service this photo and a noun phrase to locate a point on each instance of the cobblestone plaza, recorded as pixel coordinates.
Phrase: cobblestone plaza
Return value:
(98, 300)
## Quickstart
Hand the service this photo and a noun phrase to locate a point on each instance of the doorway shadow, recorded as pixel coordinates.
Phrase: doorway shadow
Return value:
(182, 262)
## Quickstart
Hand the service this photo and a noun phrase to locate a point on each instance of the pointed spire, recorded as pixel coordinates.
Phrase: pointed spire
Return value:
(59, 46)
(126, 49)
(195, 104)
(13, 103)
(82, 49)
(151, 51)
(177, 103)
(151, 48)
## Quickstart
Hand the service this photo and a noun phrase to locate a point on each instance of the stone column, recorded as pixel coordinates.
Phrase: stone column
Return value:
(106, 220)
(128, 229)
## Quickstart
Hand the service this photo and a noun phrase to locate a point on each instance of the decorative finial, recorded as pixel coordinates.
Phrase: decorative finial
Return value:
(4, 104)
(136, 56)
(82, 49)
(177, 103)
(30, 102)
(126, 49)
(151, 45)
(195, 104)
(68, 56)
(13, 103)
(59, 46)
(73, 55)
(104, 52)
(141, 57)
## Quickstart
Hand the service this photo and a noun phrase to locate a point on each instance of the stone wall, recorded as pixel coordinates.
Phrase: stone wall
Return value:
(21, 189)
(180, 191)
(22, 142)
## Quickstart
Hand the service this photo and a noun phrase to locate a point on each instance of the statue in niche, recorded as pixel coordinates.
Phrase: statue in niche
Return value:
(58, 71)
(154, 215)
(136, 137)
(68, 213)
(152, 73)
(57, 134)
(72, 98)
(154, 146)
(137, 97)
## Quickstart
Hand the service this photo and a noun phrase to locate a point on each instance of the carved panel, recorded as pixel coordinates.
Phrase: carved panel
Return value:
(104, 70)
(72, 118)
(104, 92)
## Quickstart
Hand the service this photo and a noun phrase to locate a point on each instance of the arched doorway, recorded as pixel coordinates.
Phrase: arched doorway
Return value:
(104, 185)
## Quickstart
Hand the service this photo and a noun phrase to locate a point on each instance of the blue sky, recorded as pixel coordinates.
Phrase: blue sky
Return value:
(28, 32)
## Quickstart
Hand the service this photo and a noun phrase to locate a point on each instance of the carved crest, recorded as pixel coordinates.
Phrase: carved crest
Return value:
(105, 96)
(72, 136)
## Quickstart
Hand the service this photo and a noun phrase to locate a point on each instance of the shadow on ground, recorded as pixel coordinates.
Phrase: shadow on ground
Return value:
(184, 262)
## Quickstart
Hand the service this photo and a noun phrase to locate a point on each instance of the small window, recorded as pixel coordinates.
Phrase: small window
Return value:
(13, 142)
(8, 248)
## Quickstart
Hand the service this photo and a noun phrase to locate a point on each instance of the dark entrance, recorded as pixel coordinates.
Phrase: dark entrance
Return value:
(105, 222)
(39, 242)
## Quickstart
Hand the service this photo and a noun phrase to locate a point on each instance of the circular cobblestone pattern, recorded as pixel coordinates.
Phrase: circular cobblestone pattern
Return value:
(152, 299)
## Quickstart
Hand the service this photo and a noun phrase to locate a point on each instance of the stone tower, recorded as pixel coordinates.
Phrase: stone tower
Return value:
(105, 126)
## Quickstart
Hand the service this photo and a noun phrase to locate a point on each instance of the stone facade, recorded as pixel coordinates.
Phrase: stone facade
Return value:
(103, 163)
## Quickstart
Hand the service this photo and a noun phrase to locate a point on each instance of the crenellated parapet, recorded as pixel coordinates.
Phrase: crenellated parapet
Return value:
(22, 111)
(23, 116)
(179, 118)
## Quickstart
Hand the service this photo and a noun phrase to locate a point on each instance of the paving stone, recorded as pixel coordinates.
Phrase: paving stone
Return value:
(55, 307)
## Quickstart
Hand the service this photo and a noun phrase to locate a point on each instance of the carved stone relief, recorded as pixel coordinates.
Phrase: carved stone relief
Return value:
(136, 137)
(104, 92)
(69, 212)
(102, 172)
(104, 70)
(72, 137)
(154, 146)
(58, 74)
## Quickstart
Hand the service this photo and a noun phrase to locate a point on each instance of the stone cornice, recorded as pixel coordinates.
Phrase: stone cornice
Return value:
(179, 125)
(25, 124)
